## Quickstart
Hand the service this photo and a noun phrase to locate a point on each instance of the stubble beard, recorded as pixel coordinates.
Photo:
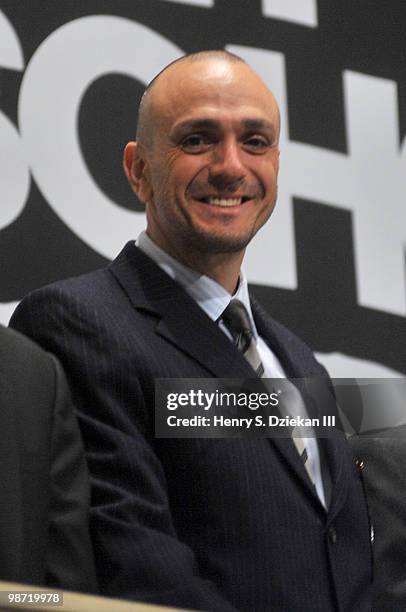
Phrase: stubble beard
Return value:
(209, 243)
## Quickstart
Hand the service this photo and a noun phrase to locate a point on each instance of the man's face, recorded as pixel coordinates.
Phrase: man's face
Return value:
(213, 162)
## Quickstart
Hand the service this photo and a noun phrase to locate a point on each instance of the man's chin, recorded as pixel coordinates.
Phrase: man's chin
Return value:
(211, 244)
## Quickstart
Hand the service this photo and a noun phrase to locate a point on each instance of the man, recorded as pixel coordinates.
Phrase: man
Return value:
(44, 504)
(221, 525)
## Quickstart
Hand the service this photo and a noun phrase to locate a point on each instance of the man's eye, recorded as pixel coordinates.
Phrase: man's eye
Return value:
(195, 142)
(258, 143)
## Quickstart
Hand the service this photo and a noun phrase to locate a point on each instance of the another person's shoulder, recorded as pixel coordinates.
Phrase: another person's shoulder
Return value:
(30, 378)
(18, 352)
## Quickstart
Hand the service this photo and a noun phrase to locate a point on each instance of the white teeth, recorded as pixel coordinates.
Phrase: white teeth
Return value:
(225, 201)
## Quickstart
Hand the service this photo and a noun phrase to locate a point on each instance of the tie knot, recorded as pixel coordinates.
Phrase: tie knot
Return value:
(235, 317)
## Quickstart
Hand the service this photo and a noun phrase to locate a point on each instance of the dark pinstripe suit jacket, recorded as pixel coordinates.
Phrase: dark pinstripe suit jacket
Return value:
(208, 524)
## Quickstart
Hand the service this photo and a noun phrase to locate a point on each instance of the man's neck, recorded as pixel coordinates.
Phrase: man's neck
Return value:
(224, 268)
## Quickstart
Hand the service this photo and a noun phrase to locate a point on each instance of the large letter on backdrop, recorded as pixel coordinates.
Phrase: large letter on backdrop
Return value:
(369, 180)
(63, 66)
(14, 173)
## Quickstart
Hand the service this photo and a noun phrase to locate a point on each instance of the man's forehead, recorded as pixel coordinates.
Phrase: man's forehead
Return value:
(209, 83)
(205, 70)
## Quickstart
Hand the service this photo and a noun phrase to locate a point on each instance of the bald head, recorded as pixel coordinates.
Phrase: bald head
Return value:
(173, 79)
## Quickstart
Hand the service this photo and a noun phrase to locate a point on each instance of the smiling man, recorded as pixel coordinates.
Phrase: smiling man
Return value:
(206, 162)
(211, 524)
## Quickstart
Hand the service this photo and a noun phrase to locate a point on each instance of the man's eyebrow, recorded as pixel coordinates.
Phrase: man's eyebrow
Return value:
(197, 124)
(257, 124)
(211, 124)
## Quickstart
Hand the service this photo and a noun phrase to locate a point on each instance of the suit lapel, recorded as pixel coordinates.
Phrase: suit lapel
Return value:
(280, 343)
(179, 319)
(335, 449)
(301, 369)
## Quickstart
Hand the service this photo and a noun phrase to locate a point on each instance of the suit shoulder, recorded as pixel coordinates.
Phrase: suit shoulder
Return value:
(64, 299)
(84, 285)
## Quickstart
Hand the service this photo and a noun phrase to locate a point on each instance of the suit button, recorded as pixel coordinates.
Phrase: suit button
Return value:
(332, 534)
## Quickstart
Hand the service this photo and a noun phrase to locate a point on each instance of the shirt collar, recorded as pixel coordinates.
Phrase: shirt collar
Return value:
(209, 295)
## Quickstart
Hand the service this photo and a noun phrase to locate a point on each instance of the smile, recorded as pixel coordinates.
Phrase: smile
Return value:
(225, 202)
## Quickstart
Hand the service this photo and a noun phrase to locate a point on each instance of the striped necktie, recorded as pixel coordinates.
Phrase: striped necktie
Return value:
(236, 319)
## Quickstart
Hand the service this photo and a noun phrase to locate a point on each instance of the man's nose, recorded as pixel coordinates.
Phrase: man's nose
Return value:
(227, 170)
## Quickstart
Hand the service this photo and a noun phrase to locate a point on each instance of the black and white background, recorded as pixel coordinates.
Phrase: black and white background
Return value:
(331, 262)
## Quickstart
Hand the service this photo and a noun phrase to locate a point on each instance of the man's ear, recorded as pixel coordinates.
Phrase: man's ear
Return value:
(136, 169)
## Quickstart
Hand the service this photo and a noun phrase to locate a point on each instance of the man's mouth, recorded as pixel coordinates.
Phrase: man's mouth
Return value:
(224, 202)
